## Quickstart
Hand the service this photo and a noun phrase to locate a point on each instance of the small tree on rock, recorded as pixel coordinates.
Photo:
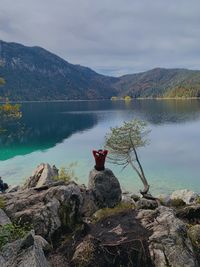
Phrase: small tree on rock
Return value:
(122, 143)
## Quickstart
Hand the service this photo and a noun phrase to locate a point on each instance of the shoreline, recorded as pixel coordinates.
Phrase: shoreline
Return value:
(94, 100)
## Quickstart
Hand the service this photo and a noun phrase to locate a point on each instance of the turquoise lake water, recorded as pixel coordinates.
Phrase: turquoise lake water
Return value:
(63, 132)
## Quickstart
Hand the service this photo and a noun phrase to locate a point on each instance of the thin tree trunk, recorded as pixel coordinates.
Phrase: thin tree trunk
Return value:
(141, 175)
(146, 185)
(143, 179)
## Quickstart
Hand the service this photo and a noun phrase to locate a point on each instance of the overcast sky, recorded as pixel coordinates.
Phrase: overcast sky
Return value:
(113, 37)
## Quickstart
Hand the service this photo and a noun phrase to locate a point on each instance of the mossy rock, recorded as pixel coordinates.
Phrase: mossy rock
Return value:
(2, 203)
(177, 202)
(106, 212)
(194, 234)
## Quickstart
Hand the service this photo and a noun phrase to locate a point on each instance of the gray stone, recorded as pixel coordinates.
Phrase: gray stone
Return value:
(47, 210)
(43, 175)
(164, 199)
(194, 234)
(135, 197)
(4, 218)
(186, 195)
(128, 200)
(42, 243)
(144, 203)
(12, 188)
(106, 188)
(15, 254)
(88, 207)
(169, 244)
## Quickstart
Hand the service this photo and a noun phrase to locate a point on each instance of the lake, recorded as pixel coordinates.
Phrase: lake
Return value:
(63, 132)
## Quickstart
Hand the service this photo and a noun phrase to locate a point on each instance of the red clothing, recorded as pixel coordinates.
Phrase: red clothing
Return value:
(100, 157)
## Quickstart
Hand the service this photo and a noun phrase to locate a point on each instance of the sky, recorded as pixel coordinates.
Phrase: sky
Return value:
(113, 37)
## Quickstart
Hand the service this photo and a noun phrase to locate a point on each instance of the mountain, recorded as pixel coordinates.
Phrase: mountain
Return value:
(33, 73)
(160, 82)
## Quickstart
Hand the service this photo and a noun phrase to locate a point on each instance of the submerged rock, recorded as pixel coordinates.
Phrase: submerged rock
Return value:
(105, 187)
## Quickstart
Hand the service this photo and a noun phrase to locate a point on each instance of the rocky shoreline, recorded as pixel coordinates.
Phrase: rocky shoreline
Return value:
(50, 222)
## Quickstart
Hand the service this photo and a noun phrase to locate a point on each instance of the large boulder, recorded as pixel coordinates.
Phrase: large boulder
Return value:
(169, 244)
(48, 210)
(186, 195)
(105, 187)
(43, 175)
(114, 240)
(23, 253)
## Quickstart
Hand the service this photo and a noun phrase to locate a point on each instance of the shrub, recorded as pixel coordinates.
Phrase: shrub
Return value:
(67, 174)
(11, 232)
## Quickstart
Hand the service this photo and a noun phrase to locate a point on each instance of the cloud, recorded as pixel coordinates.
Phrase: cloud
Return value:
(113, 37)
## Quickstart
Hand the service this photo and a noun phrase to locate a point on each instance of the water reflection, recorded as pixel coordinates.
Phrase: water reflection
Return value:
(43, 125)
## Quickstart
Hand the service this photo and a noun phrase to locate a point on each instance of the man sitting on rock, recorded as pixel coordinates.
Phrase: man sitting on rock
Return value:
(100, 157)
(3, 186)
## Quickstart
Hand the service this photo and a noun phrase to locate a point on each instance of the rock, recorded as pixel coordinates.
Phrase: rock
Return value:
(186, 195)
(43, 175)
(105, 187)
(47, 210)
(116, 240)
(135, 197)
(189, 213)
(164, 199)
(169, 244)
(12, 188)
(42, 243)
(127, 199)
(194, 235)
(88, 207)
(15, 254)
(84, 254)
(4, 218)
(144, 203)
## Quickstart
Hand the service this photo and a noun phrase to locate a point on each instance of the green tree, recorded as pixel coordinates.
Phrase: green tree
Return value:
(123, 142)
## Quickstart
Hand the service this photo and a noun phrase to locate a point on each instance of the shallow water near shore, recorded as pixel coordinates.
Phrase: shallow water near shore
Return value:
(63, 132)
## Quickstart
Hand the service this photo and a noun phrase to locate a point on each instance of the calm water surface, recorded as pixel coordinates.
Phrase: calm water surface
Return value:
(65, 132)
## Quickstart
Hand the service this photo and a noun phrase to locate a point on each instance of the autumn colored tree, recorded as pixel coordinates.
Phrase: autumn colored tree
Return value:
(8, 111)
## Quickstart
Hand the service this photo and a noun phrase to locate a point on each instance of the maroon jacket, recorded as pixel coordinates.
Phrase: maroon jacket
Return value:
(100, 157)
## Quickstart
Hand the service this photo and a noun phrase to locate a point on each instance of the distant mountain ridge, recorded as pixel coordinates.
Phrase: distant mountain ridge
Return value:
(33, 73)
